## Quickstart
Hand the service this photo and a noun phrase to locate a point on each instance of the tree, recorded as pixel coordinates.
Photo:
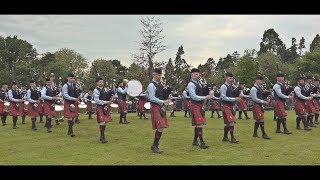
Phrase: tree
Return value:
(120, 69)
(301, 45)
(315, 43)
(139, 73)
(208, 70)
(168, 73)
(181, 71)
(150, 44)
(246, 70)
(271, 43)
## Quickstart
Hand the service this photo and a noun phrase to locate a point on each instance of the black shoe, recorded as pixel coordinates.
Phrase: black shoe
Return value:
(195, 143)
(286, 131)
(77, 122)
(307, 128)
(247, 118)
(239, 117)
(15, 127)
(255, 135)
(211, 117)
(225, 139)
(49, 130)
(185, 116)
(127, 122)
(145, 118)
(34, 128)
(23, 122)
(312, 125)
(298, 127)
(57, 123)
(278, 131)
(203, 146)
(219, 117)
(265, 136)
(72, 134)
(234, 140)
(155, 149)
(103, 140)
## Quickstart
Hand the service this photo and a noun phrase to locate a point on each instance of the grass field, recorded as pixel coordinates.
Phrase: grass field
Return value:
(130, 144)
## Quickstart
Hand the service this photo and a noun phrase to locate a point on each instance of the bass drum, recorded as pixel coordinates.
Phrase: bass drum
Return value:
(134, 88)
(147, 105)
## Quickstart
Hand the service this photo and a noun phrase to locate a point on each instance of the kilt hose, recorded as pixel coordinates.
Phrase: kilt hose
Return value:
(228, 113)
(258, 112)
(316, 104)
(67, 110)
(187, 104)
(214, 104)
(32, 111)
(279, 108)
(198, 117)
(122, 106)
(242, 105)
(14, 110)
(158, 119)
(310, 107)
(47, 108)
(103, 116)
(300, 107)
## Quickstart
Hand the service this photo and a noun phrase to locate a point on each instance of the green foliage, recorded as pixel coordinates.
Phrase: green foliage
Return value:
(315, 43)
(246, 70)
(139, 73)
(169, 77)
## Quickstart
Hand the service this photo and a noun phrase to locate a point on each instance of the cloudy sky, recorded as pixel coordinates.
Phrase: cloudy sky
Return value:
(115, 36)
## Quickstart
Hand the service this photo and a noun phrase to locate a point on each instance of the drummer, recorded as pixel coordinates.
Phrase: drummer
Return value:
(16, 104)
(87, 99)
(3, 98)
(122, 95)
(34, 103)
(142, 100)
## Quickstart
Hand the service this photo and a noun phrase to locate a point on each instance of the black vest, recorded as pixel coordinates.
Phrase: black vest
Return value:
(15, 94)
(229, 93)
(199, 89)
(2, 94)
(236, 92)
(103, 95)
(174, 95)
(50, 93)
(283, 90)
(159, 91)
(303, 92)
(316, 90)
(259, 93)
(216, 94)
(34, 94)
(120, 95)
(308, 88)
(71, 91)
(89, 97)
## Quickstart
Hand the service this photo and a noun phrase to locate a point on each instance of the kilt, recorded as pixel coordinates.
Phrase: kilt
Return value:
(32, 111)
(214, 104)
(198, 118)
(186, 104)
(310, 107)
(228, 113)
(158, 121)
(47, 110)
(279, 108)
(40, 107)
(69, 114)
(141, 106)
(242, 105)
(13, 111)
(89, 106)
(300, 107)
(316, 104)
(101, 116)
(174, 106)
(258, 112)
(2, 108)
(122, 106)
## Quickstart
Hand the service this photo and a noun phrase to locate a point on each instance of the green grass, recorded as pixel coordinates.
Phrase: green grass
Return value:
(130, 144)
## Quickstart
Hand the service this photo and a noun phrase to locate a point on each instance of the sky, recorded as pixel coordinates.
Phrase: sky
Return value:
(116, 36)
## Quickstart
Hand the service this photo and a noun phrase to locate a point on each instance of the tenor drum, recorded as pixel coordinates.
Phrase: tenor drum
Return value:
(147, 105)
(58, 107)
(134, 88)
(82, 105)
(6, 106)
(114, 105)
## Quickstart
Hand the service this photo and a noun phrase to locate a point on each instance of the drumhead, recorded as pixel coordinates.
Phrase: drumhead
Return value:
(82, 106)
(129, 102)
(26, 102)
(7, 103)
(93, 102)
(114, 105)
(147, 105)
(134, 88)
(58, 108)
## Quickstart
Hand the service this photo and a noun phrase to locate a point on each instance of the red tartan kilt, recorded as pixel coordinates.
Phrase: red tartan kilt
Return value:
(67, 113)
(174, 106)
(40, 107)
(101, 117)
(122, 106)
(89, 106)
(47, 110)
(279, 108)
(197, 117)
(187, 104)
(141, 105)
(316, 104)
(242, 105)
(310, 107)
(300, 107)
(32, 111)
(13, 111)
(215, 104)
(228, 113)
(257, 110)
(2, 108)
(158, 121)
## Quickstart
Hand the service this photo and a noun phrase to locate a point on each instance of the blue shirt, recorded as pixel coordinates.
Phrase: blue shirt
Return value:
(297, 91)
(65, 92)
(96, 94)
(223, 92)
(122, 91)
(277, 89)
(43, 94)
(11, 96)
(151, 90)
(253, 94)
(29, 97)
(184, 93)
(192, 91)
